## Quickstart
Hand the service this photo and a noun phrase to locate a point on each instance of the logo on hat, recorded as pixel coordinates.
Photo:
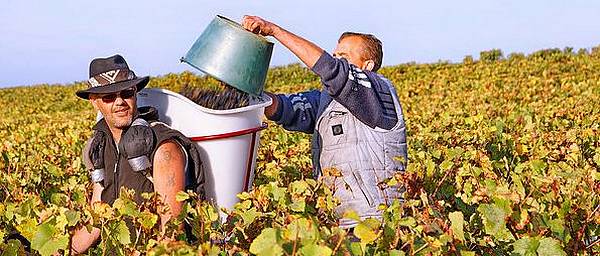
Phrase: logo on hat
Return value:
(112, 74)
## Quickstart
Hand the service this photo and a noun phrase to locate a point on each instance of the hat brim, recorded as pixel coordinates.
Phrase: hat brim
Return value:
(139, 83)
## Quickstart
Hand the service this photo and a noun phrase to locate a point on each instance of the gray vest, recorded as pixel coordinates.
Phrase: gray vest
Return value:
(366, 157)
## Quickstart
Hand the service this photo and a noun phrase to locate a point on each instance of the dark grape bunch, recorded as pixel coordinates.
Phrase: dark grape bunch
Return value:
(225, 97)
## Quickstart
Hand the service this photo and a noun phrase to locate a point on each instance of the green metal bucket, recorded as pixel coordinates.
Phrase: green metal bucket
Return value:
(231, 54)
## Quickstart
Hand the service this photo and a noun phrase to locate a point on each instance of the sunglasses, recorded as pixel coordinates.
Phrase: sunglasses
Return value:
(124, 94)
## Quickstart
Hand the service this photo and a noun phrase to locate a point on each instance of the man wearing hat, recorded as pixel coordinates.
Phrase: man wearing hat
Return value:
(132, 149)
(356, 118)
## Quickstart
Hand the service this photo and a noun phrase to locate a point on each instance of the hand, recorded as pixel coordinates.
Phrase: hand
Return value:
(271, 109)
(259, 26)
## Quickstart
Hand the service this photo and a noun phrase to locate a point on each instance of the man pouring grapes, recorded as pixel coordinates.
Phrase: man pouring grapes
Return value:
(356, 118)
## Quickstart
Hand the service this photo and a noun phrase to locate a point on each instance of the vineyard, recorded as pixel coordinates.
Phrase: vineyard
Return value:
(504, 159)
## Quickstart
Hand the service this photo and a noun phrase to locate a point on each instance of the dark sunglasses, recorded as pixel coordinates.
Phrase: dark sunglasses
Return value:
(124, 94)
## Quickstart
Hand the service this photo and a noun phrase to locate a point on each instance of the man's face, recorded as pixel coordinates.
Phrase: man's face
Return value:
(351, 49)
(117, 108)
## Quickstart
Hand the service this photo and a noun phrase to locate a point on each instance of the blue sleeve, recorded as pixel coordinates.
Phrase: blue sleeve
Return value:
(298, 112)
(362, 92)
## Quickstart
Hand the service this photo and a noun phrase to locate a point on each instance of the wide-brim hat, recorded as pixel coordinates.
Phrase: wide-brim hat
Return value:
(109, 75)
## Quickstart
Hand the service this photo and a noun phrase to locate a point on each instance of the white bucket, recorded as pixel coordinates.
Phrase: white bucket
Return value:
(228, 139)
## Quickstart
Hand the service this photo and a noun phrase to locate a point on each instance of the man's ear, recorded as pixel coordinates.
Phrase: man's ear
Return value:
(369, 65)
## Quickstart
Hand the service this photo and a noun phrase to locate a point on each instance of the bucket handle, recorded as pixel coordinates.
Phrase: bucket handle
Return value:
(235, 134)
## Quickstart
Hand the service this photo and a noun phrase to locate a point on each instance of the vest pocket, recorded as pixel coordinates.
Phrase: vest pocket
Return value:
(365, 186)
(351, 188)
(336, 129)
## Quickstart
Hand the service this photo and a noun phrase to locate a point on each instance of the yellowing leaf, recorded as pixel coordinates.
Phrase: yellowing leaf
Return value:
(315, 250)
(267, 243)
(494, 221)
(367, 230)
(181, 196)
(550, 247)
(457, 223)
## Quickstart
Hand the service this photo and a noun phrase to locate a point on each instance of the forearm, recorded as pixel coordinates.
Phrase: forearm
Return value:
(82, 240)
(168, 196)
(306, 51)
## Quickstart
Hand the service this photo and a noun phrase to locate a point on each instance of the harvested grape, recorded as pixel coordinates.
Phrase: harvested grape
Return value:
(222, 98)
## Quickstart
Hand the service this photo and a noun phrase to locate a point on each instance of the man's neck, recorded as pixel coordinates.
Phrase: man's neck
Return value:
(116, 134)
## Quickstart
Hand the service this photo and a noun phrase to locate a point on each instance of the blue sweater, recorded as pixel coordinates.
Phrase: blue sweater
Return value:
(362, 92)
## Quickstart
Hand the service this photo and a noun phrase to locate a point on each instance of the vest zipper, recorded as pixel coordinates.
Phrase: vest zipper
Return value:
(117, 183)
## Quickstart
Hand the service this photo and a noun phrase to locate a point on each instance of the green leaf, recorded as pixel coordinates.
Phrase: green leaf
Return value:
(397, 253)
(278, 193)
(181, 196)
(366, 230)
(249, 216)
(446, 165)
(298, 206)
(299, 187)
(212, 213)
(407, 222)
(538, 165)
(48, 241)
(494, 221)
(355, 249)
(557, 226)
(148, 219)
(121, 232)
(597, 158)
(457, 225)
(28, 228)
(351, 214)
(72, 217)
(267, 243)
(525, 246)
(467, 253)
(303, 229)
(13, 248)
(59, 198)
(550, 247)
(126, 207)
(315, 250)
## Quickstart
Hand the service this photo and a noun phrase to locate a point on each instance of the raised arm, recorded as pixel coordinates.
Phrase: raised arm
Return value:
(306, 51)
(169, 176)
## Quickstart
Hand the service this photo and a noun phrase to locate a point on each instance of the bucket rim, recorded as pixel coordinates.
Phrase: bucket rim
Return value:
(239, 26)
(267, 101)
(203, 70)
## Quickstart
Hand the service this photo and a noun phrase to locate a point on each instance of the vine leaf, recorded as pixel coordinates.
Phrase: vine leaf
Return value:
(267, 243)
(458, 221)
(48, 241)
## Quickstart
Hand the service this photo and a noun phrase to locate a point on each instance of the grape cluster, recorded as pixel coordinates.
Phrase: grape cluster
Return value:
(222, 98)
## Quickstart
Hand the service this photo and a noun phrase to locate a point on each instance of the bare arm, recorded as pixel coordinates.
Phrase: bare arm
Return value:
(82, 239)
(306, 51)
(169, 176)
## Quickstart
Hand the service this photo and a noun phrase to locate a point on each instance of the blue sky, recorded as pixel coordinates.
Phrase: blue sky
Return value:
(54, 41)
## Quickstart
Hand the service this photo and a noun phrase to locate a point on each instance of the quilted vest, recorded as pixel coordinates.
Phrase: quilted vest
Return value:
(365, 157)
